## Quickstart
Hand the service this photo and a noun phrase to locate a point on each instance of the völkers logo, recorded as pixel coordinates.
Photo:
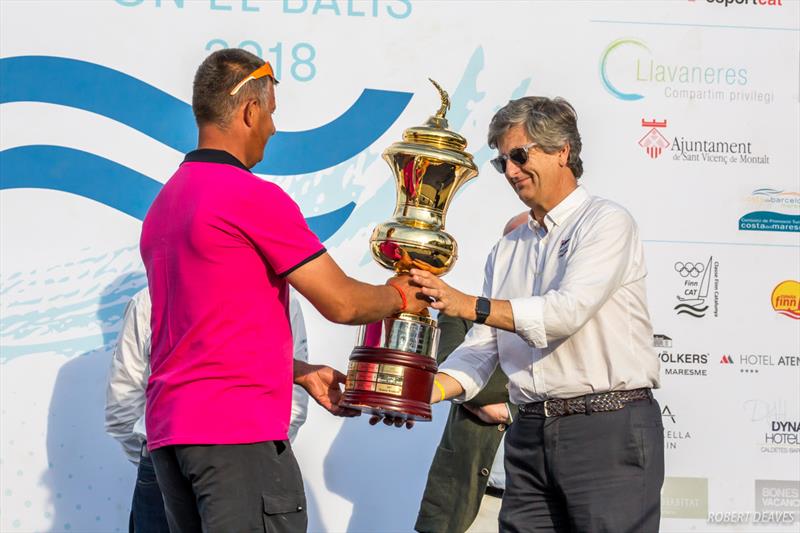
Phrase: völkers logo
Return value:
(679, 362)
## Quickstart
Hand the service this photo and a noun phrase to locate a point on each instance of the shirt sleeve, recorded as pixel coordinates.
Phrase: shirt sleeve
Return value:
(300, 341)
(474, 361)
(274, 224)
(127, 381)
(595, 269)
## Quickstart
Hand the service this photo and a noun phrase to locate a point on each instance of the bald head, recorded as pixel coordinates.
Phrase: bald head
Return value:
(515, 222)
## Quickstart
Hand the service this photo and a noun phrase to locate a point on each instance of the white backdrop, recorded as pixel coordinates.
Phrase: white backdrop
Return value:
(689, 113)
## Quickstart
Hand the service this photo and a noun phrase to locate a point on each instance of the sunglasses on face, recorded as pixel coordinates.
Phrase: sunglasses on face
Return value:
(518, 155)
(260, 72)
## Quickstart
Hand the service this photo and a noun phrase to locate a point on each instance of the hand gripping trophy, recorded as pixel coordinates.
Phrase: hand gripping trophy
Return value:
(392, 368)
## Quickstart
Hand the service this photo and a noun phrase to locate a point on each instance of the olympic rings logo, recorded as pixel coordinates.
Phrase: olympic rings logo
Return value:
(689, 269)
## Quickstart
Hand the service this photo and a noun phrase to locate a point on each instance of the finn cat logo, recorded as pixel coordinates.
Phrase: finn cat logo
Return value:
(654, 142)
(696, 287)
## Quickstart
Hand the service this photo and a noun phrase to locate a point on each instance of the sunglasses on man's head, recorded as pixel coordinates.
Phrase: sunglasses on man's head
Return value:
(518, 155)
(260, 72)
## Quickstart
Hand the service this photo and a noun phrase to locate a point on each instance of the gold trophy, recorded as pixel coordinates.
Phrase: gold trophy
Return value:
(392, 368)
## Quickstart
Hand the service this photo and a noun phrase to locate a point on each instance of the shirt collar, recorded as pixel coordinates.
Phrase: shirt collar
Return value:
(562, 211)
(210, 155)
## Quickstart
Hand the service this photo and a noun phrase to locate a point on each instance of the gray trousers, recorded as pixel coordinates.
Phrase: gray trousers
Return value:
(231, 488)
(598, 472)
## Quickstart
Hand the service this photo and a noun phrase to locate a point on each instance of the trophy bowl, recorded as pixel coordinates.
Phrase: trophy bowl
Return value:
(392, 367)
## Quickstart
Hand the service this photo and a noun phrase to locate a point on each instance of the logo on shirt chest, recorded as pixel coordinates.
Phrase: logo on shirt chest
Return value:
(698, 292)
(563, 247)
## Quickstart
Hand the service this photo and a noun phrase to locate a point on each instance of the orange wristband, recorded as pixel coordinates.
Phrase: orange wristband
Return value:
(402, 296)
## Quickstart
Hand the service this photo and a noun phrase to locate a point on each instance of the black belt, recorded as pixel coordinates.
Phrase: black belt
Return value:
(494, 491)
(590, 403)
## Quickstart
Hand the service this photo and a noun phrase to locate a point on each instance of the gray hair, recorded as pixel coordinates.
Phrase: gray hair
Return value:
(550, 123)
(212, 102)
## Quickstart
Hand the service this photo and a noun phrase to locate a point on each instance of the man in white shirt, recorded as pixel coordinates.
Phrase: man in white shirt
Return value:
(564, 312)
(125, 404)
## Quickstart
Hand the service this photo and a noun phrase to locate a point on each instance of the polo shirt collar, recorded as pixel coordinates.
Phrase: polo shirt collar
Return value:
(567, 206)
(562, 211)
(210, 155)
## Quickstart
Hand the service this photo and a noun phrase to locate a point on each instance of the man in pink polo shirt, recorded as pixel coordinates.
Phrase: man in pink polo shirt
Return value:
(221, 247)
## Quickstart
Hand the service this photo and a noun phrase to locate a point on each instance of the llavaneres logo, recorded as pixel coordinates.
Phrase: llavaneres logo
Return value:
(630, 70)
(610, 87)
(786, 299)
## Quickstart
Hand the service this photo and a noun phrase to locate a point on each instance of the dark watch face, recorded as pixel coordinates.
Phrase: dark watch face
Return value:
(482, 308)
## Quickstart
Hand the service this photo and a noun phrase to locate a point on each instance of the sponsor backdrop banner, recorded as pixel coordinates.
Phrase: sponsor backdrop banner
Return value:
(689, 114)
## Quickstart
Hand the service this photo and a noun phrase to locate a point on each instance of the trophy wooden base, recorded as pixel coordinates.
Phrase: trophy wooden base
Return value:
(390, 382)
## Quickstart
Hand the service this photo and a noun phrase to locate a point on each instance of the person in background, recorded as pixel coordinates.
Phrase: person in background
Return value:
(466, 479)
(125, 405)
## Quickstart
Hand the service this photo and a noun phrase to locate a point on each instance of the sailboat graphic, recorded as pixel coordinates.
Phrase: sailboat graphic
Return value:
(696, 306)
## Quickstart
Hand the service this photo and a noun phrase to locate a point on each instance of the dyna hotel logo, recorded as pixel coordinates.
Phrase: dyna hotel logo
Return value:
(630, 70)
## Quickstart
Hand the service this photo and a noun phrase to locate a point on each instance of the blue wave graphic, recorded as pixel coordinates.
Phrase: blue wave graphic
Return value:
(766, 191)
(157, 114)
(326, 224)
(70, 308)
(102, 180)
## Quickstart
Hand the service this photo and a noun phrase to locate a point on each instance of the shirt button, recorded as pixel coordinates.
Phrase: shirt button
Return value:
(484, 471)
(501, 427)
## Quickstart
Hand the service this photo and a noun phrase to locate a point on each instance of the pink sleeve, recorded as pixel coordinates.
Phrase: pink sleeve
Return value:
(274, 224)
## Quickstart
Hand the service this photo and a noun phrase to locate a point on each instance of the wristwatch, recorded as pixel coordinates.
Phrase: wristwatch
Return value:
(482, 309)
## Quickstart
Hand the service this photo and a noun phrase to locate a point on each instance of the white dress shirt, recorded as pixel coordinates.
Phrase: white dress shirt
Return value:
(577, 291)
(130, 370)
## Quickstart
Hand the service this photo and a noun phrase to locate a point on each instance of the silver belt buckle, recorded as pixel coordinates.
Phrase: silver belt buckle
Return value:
(546, 408)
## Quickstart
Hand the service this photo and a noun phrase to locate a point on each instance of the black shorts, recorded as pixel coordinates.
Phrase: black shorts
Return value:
(231, 488)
